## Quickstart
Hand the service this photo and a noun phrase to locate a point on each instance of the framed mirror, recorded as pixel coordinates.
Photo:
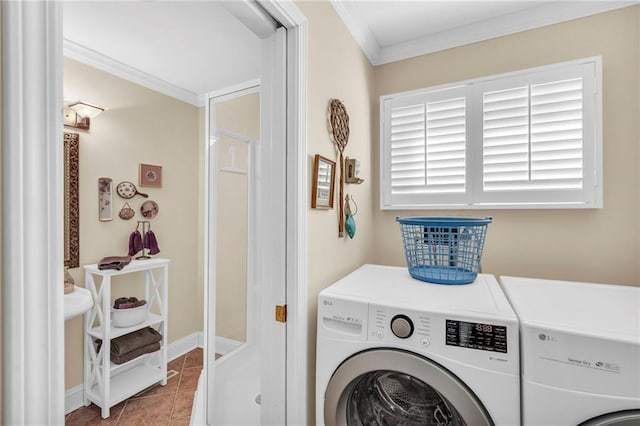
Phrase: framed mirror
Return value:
(71, 200)
(324, 174)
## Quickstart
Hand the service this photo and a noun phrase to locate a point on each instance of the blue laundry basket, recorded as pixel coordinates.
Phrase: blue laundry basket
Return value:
(443, 250)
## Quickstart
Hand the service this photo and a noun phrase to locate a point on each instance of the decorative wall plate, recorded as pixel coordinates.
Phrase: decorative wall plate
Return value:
(128, 190)
(149, 209)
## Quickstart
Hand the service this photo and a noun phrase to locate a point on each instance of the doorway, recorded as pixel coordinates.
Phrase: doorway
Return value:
(34, 80)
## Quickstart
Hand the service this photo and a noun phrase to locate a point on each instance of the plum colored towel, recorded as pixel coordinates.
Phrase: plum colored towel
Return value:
(150, 242)
(135, 243)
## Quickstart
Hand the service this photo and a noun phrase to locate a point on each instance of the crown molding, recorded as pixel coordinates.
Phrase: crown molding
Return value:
(541, 16)
(105, 63)
(361, 33)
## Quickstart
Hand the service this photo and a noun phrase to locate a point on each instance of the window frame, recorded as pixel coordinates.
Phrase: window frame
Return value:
(589, 197)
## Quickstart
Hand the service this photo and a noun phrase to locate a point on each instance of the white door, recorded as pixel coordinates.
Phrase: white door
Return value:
(261, 356)
(273, 210)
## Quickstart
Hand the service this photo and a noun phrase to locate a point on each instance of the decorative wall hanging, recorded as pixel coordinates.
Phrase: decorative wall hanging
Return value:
(150, 175)
(324, 178)
(128, 190)
(105, 207)
(350, 223)
(126, 212)
(141, 241)
(353, 170)
(71, 200)
(339, 120)
(149, 209)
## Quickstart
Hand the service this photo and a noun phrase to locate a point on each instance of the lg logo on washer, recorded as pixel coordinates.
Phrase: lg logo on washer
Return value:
(547, 338)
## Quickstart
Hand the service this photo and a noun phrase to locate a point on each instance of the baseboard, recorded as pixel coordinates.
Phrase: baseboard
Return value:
(74, 397)
(184, 345)
(224, 345)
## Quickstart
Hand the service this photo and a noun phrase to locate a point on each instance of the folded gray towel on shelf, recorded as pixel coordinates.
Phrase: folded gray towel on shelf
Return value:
(147, 349)
(132, 341)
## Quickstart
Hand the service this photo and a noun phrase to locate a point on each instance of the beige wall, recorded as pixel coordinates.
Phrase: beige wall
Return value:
(337, 69)
(583, 245)
(240, 115)
(139, 126)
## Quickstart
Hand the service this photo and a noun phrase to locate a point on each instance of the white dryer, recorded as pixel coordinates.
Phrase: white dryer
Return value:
(392, 350)
(580, 352)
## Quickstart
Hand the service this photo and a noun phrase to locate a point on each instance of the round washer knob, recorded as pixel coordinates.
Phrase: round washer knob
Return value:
(402, 326)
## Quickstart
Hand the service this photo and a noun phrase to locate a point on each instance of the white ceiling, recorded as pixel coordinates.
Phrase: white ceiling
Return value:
(187, 49)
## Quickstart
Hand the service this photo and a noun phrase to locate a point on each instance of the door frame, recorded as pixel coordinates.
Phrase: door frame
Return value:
(32, 214)
(32, 250)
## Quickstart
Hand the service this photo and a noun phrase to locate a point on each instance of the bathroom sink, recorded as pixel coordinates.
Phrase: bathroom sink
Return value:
(77, 302)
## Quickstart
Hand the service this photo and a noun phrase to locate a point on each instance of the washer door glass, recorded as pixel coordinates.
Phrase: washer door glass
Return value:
(392, 398)
(394, 387)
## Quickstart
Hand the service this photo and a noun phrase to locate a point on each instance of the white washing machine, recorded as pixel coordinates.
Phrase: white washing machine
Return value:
(580, 352)
(393, 350)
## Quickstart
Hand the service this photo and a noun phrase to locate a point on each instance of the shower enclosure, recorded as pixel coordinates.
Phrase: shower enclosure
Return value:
(234, 133)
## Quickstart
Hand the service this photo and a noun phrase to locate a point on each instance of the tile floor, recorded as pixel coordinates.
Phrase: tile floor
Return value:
(157, 405)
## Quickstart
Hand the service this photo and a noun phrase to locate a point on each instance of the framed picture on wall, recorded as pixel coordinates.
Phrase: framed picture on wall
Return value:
(105, 205)
(324, 175)
(150, 175)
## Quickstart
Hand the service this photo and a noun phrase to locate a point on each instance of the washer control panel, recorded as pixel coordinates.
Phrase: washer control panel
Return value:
(486, 344)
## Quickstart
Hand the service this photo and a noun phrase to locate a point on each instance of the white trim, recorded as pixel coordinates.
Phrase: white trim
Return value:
(32, 297)
(230, 92)
(183, 345)
(548, 14)
(361, 33)
(209, 257)
(253, 17)
(105, 63)
(74, 397)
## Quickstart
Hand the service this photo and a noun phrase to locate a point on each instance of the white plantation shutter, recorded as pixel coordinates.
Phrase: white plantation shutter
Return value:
(530, 139)
(505, 139)
(408, 167)
(556, 134)
(426, 146)
(446, 145)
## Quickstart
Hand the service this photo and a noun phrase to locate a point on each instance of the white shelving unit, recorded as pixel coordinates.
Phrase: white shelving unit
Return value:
(105, 383)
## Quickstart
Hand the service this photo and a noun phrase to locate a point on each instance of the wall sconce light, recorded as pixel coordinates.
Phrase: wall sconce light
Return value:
(79, 114)
(86, 110)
